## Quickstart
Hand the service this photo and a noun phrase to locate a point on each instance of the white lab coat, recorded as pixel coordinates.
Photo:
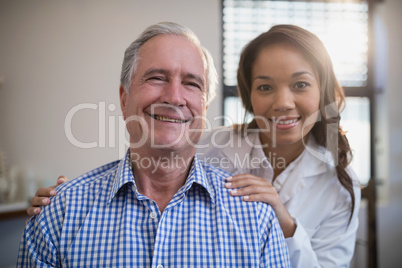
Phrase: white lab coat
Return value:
(308, 187)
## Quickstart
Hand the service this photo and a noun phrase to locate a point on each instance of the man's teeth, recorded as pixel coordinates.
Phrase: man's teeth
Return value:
(167, 119)
(286, 122)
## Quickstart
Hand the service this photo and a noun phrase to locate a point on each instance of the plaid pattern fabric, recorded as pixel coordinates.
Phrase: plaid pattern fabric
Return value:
(101, 220)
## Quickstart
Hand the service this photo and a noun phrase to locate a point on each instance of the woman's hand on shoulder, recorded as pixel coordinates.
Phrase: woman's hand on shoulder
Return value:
(256, 189)
(42, 197)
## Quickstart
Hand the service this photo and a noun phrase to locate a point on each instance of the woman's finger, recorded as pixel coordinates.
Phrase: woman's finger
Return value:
(39, 201)
(61, 179)
(238, 182)
(32, 211)
(260, 197)
(46, 192)
(42, 197)
(243, 176)
(251, 190)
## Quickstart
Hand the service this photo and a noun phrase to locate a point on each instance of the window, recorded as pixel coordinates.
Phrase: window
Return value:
(343, 28)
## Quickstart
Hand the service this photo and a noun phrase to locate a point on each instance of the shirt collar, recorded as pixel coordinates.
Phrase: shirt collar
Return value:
(124, 175)
(318, 158)
(199, 176)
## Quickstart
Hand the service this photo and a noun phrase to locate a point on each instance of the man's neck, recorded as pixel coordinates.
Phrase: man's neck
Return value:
(160, 175)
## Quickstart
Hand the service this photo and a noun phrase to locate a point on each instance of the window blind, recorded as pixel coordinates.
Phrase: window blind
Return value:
(341, 25)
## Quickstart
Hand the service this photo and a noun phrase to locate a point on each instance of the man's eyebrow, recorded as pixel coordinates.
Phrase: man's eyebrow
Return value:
(195, 77)
(155, 71)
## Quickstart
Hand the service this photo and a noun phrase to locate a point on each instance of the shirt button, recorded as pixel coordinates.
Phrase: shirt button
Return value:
(153, 216)
(277, 187)
(159, 266)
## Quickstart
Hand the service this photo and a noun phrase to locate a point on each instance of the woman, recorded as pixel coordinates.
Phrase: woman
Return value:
(293, 154)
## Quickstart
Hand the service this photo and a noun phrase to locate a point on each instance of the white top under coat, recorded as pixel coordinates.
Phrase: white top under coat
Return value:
(308, 187)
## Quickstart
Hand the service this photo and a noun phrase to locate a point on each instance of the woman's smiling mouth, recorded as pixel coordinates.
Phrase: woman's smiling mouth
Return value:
(285, 123)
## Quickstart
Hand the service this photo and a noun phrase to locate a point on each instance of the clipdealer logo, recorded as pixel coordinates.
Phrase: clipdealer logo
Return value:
(116, 129)
(100, 141)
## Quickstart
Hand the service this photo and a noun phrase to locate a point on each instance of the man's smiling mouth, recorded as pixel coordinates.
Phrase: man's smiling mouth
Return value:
(168, 119)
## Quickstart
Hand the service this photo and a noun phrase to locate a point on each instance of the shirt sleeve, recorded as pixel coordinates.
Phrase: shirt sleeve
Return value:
(39, 241)
(274, 252)
(332, 245)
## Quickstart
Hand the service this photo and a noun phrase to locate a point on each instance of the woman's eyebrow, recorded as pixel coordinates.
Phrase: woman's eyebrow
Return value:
(301, 73)
(263, 77)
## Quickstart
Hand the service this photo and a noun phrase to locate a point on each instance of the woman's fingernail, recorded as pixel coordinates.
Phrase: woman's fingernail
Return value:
(233, 192)
(228, 184)
(45, 201)
(53, 192)
(229, 178)
(246, 197)
(36, 210)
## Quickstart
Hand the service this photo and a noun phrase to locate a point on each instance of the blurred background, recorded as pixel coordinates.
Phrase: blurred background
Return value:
(60, 64)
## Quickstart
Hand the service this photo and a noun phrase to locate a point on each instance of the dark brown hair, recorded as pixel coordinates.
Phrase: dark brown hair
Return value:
(332, 97)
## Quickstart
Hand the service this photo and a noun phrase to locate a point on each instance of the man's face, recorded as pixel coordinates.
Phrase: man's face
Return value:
(166, 104)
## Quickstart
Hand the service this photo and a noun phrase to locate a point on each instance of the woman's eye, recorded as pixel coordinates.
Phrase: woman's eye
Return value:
(300, 85)
(264, 87)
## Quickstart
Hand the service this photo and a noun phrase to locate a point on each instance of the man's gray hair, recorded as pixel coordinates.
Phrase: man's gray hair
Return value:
(131, 56)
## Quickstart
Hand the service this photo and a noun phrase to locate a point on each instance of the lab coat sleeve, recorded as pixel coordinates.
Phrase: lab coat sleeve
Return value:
(332, 244)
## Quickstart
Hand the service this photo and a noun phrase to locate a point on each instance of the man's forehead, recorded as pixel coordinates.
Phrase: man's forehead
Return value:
(161, 55)
(166, 42)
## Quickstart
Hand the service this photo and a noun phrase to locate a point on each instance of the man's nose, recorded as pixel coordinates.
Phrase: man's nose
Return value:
(173, 94)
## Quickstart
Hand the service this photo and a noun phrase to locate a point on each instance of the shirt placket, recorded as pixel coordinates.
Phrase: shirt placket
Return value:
(152, 217)
(160, 258)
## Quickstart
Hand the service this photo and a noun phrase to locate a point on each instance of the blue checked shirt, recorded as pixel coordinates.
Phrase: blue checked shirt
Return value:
(101, 220)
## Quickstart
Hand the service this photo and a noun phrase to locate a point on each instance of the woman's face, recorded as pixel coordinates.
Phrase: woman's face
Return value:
(285, 95)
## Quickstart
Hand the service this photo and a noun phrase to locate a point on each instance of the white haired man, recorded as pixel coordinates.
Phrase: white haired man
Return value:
(170, 213)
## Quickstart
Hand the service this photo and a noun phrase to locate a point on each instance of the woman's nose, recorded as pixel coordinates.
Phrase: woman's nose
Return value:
(284, 100)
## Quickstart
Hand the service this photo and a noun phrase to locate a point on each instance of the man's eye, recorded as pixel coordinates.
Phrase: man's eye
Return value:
(155, 78)
(194, 85)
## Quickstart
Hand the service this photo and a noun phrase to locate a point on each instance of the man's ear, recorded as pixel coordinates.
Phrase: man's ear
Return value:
(123, 100)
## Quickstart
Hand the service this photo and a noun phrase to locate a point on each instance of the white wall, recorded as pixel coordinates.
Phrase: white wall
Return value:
(57, 54)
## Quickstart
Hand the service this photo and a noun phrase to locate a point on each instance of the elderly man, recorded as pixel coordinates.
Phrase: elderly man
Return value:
(169, 213)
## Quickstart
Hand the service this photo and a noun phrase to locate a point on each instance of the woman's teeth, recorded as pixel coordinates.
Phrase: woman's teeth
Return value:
(286, 122)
